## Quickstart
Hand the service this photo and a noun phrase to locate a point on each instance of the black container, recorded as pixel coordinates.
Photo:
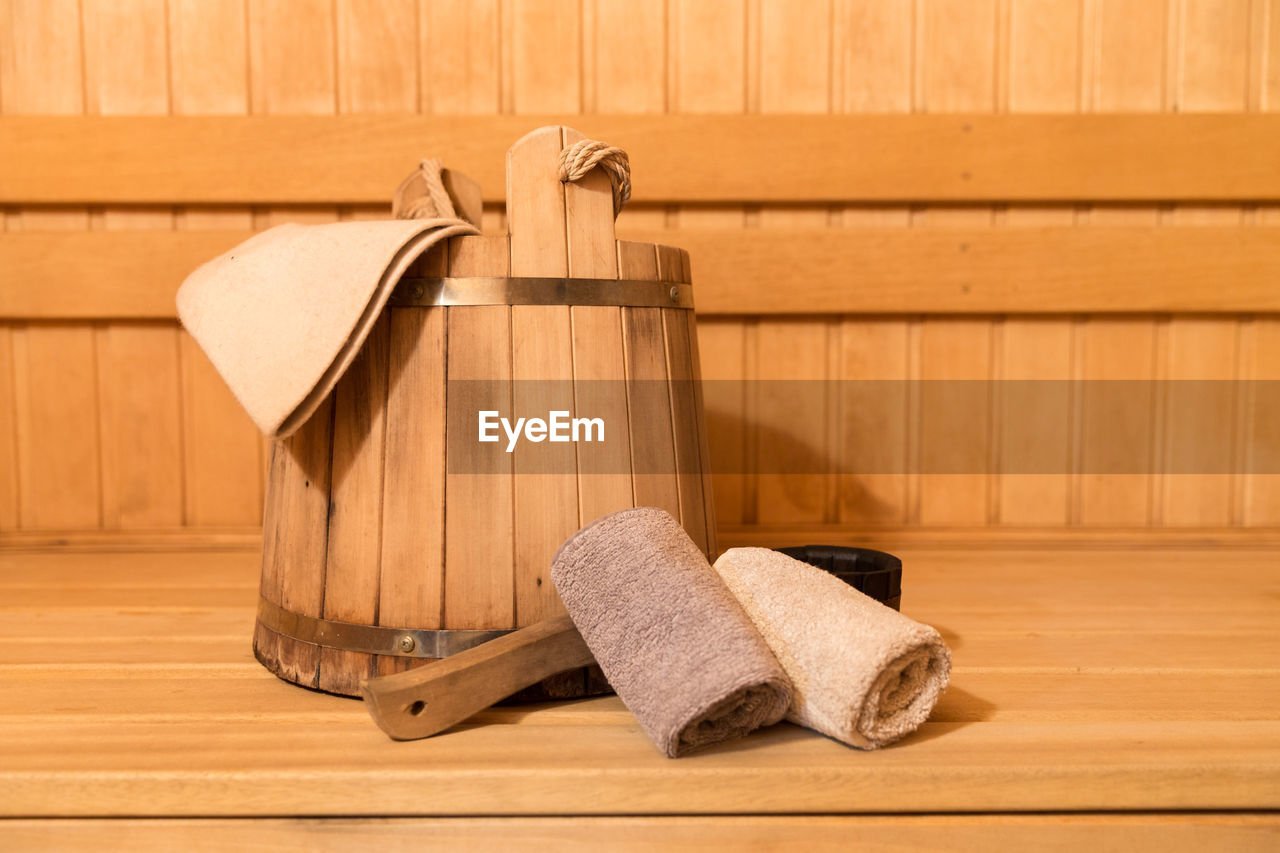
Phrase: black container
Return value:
(872, 573)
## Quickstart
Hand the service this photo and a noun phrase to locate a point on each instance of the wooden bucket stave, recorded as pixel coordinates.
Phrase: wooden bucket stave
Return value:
(367, 524)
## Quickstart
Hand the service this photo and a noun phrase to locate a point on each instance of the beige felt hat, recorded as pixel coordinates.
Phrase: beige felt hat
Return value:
(282, 315)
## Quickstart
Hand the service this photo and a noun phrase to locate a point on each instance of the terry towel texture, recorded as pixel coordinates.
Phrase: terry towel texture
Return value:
(673, 642)
(283, 315)
(861, 672)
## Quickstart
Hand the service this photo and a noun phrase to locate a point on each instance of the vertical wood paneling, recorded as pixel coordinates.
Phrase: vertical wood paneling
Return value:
(1200, 423)
(170, 446)
(722, 344)
(54, 367)
(625, 59)
(629, 52)
(707, 74)
(795, 56)
(139, 381)
(873, 72)
(1261, 490)
(208, 67)
(141, 422)
(955, 422)
(1117, 421)
(460, 56)
(1128, 55)
(794, 76)
(222, 449)
(1044, 55)
(791, 350)
(1129, 49)
(1035, 413)
(8, 434)
(377, 56)
(134, 28)
(872, 435)
(1200, 412)
(544, 74)
(292, 56)
(873, 64)
(1033, 421)
(56, 405)
(222, 471)
(292, 70)
(41, 57)
(1268, 58)
(956, 55)
(956, 71)
(710, 56)
(1213, 65)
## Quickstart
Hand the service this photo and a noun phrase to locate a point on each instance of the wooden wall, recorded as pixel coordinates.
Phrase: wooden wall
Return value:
(121, 424)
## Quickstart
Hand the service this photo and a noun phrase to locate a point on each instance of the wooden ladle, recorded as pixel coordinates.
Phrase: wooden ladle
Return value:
(425, 701)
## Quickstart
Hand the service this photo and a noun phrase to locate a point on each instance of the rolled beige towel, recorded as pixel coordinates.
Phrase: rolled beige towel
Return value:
(678, 649)
(861, 672)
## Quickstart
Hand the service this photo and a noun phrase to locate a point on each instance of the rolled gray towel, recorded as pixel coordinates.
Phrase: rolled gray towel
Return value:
(676, 646)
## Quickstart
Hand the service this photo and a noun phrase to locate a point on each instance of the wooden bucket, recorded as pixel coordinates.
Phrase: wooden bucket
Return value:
(392, 536)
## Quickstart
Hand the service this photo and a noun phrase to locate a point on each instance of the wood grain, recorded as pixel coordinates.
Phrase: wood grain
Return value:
(222, 449)
(479, 533)
(59, 454)
(139, 398)
(411, 587)
(1175, 833)
(545, 484)
(353, 564)
(1148, 227)
(9, 485)
(299, 159)
(294, 553)
(967, 270)
(686, 414)
(1056, 703)
(648, 404)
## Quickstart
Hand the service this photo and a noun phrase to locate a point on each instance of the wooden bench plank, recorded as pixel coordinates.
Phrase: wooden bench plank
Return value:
(323, 764)
(1167, 832)
(1162, 695)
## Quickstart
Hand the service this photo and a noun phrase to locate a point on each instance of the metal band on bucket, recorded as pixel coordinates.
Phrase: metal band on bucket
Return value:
(485, 290)
(370, 639)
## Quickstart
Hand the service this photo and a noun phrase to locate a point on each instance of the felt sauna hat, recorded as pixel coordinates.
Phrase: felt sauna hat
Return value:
(283, 315)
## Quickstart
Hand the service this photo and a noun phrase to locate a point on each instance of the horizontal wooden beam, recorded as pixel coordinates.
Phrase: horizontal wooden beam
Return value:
(729, 536)
(135, 274)
(984, 270)
(676, 158)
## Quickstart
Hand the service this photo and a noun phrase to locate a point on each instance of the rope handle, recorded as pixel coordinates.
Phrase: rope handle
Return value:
(435, 204)
(581, 157)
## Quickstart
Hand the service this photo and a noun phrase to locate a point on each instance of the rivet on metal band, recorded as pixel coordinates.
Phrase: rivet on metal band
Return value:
(371, 639)
(481, 290)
